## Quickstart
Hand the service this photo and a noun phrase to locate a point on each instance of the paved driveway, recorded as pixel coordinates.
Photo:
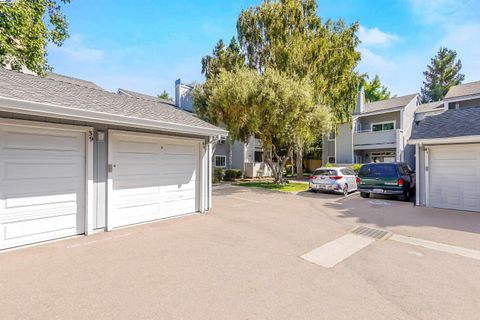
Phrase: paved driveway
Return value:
(242, 261)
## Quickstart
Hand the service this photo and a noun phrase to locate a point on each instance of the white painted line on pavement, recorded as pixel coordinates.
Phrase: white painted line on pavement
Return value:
(334, 252)
(464, 252)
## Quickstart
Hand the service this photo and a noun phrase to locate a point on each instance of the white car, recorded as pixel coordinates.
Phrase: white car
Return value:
(341, 180)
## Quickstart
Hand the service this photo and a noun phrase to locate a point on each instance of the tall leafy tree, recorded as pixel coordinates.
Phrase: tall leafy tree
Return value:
(374, 90)
(442, 73)
(278, 109)
(223, 57)
(289, 36)
(26, 27)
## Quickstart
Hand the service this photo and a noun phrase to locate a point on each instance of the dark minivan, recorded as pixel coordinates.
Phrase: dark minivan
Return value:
(386, 178)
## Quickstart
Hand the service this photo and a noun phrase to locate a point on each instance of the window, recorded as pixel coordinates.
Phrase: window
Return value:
(222, 141)
(331, 136)
(384, 126)
(347, 172)
(331, 159)
(258, 156)
(379, 170)
(220, 161)
(325, 172)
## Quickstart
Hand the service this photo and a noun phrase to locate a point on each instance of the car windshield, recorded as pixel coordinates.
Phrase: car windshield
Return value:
(325, 172)
(378, 170)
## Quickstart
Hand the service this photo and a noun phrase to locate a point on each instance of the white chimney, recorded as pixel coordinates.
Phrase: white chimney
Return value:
(360, 101)
(178, 95)
(183, 96)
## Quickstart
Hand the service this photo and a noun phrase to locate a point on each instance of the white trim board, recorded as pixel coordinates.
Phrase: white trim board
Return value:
(447, 140)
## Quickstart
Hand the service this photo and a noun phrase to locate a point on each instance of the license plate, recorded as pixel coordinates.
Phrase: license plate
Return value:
(377, 190)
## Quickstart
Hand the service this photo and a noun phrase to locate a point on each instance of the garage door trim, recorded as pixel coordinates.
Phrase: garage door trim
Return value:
(89, 136)
(428, 175)
(200, 193)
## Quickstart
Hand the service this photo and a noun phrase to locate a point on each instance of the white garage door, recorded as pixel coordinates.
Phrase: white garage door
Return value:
(42, 184)
(455, 177)
(151, 178)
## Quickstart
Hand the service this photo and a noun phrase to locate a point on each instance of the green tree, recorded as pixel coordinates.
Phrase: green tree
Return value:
(228, 58)
(374, 90)
(278, 109)
(289, 36)
(223, 58)
(26, 28)
(165, 96)
(442, 73)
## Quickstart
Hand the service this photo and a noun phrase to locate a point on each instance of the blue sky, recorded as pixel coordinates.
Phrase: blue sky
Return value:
(145, 45)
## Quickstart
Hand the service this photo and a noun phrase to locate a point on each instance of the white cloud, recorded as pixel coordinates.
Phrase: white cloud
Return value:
(444, 11)
(465, 40)
(375, 37)
(376, 64)
(75, 51)
(459, 23)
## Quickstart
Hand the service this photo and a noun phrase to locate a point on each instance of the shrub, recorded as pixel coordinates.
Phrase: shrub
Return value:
(218, 175)
(232, 174)
(239, 174)
(329, 165)
(356, 167)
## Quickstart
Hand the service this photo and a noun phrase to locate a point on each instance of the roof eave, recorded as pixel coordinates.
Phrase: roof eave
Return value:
(50, 110)
(446, 140)
(358, 115)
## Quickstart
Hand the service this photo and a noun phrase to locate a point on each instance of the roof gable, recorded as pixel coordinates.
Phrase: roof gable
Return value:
(392, 103)
(451, 123)
(462, 90)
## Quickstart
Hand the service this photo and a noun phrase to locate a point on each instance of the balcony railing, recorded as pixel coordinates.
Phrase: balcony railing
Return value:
(375, 139)
(258, 144)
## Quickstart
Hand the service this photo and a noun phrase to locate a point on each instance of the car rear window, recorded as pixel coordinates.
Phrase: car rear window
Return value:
(325, 172)
(378, 170)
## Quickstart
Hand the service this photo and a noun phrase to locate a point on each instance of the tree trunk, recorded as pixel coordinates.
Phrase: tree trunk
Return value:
(230, 152)
(277, 170)
(291, 161)
(299, 163)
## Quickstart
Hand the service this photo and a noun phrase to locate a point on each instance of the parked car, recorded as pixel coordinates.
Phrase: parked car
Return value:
(337, 180)
(395, 178)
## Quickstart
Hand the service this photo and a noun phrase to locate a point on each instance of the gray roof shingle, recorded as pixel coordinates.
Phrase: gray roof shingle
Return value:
(461, 90)
(143, 96)
(392, 103)
(72, 80)
(449, 124)
(16, 85)
(430, 107)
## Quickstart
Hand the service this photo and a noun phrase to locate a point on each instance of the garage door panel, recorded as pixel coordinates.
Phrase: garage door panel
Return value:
(136, 169)
(137, 148)
(42, 184)
(455, 177)
(40, 170)
(38, 140)
(179, 149)
(136, 182)
(160, 186)
(35, 227)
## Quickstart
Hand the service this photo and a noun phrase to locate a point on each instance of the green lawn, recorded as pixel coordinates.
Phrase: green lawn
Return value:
(288, 187)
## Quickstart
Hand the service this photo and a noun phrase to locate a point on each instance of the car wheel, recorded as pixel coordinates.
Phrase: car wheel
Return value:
(406, 195)
(345, 190)
(365, 195)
